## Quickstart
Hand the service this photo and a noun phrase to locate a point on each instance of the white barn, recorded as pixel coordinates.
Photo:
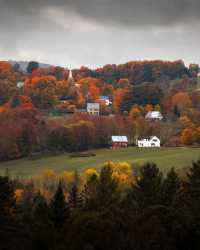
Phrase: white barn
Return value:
(154, 115)
(93, 108)
(150, 142)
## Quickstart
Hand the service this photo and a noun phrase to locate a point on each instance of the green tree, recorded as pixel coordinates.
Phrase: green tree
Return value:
(42, 227)
(147, 190)
(59, 208)
(7, 197)
(102, 192)
(74, 198)
(171, 186)
(32, 66)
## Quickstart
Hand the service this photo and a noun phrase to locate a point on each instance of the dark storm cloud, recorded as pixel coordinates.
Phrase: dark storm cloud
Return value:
(94, 32)
(119, 12)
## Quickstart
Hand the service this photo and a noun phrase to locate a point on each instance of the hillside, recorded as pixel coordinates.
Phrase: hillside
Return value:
(48, 110)
(24, 64)
(165, 158)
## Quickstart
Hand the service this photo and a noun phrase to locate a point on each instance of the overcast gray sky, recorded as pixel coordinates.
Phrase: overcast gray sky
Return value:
(72, 33)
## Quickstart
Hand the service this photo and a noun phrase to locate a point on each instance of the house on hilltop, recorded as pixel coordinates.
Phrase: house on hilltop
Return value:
(154, 115)
(20, 84)
(93, 108)
(106, 100)
(150, 142)
(119, 141)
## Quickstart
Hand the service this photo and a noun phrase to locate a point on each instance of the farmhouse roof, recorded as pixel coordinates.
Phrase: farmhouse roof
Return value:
(154, 115)
(93, 105)
(119, 138)
(103, 97)
(148, 138)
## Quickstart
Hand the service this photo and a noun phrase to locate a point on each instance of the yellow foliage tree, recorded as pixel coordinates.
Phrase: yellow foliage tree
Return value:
(135, 112)
(49, 175)
(122, 171)
(124, 167)
(90, 172)
(19, 194)
(68, 176)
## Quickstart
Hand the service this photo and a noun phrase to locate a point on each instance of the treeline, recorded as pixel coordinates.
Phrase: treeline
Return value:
(155, 212)
(139, 71)
(24, 131)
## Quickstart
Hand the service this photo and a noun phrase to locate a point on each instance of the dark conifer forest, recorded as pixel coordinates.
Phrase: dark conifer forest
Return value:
(153, 212)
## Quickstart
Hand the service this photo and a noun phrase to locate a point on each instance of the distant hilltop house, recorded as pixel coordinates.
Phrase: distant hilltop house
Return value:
(20, 84)
(64, 99)
(154, 115)
(150, 142)
(81, 111)
(93, 108)
(119, 141)
(105, 99)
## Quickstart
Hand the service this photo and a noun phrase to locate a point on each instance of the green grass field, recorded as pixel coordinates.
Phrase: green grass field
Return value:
(165, 158)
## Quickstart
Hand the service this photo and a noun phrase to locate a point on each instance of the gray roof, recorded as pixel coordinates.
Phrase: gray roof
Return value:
(119, 138)
(93, 105)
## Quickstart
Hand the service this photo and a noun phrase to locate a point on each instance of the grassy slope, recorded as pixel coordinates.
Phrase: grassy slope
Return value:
(164, 157)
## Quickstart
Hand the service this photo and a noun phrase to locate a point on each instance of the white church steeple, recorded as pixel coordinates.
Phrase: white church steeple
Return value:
(70, 75)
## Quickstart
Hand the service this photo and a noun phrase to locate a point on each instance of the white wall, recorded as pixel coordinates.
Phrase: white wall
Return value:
(145, 143)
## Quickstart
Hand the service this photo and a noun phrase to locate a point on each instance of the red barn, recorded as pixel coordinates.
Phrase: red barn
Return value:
(119, 141)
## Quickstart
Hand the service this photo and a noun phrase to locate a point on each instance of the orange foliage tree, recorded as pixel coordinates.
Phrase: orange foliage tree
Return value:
(181, 101)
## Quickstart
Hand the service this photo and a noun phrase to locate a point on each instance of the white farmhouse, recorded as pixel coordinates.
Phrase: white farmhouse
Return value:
(151, 142)
(93, 108)
(154, 115)
(20, 84)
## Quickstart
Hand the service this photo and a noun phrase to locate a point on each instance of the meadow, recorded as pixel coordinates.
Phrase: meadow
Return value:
(165, 158)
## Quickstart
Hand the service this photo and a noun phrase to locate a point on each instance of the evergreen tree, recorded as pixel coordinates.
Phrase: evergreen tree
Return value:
(15, 101)
(42, 228)
(171, 186)
(192, 189)
(32, 66)
(7, 197)
(74, 198)
(187, 218)
(59, 208)
(107, 187)
(89, 194)
(10, 233)
(147, 191)
(101, 192)
(176, 111)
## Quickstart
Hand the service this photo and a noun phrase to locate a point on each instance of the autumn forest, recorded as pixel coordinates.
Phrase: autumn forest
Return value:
(42, 110)
(120, 205)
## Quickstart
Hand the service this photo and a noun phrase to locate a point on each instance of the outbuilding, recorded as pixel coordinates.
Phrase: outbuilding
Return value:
(154, 115)
(119, 141)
